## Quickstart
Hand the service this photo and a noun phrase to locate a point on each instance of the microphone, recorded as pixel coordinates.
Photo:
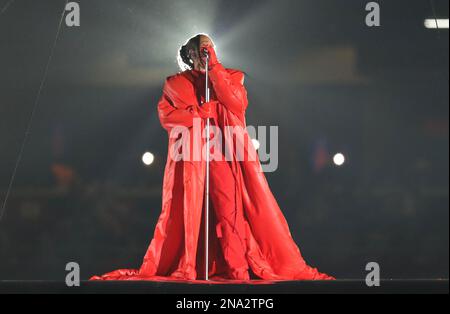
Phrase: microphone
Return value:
(205, 52)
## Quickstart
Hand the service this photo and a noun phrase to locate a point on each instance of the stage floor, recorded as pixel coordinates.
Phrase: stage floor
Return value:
(285, 287)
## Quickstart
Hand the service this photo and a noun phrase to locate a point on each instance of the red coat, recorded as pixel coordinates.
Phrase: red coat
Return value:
(178, 238)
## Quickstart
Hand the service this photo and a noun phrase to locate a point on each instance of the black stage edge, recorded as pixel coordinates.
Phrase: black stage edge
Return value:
(287, 287)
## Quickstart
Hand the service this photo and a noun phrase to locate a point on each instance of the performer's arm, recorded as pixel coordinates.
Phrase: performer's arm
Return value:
(229, 88)
(170, 116)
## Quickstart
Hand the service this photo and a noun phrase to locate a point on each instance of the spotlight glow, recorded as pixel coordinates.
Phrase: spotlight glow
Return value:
(339, 159)
(436, 23)
(148, 159)
(256, 144)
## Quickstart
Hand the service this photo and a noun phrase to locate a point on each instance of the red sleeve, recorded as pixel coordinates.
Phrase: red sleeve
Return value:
(229, 88)
(169, 115)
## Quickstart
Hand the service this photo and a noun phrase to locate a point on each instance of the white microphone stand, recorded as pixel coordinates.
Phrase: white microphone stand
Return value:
(207, 175)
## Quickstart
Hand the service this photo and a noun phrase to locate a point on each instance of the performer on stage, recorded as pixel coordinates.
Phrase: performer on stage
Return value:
(249, 236)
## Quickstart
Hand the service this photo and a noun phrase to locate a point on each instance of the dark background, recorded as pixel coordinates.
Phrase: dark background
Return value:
(331, 84)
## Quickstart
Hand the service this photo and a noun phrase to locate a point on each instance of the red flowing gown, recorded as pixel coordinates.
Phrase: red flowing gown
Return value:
(176, 251)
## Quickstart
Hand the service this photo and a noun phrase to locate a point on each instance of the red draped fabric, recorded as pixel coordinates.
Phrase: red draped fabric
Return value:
(176, 251)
